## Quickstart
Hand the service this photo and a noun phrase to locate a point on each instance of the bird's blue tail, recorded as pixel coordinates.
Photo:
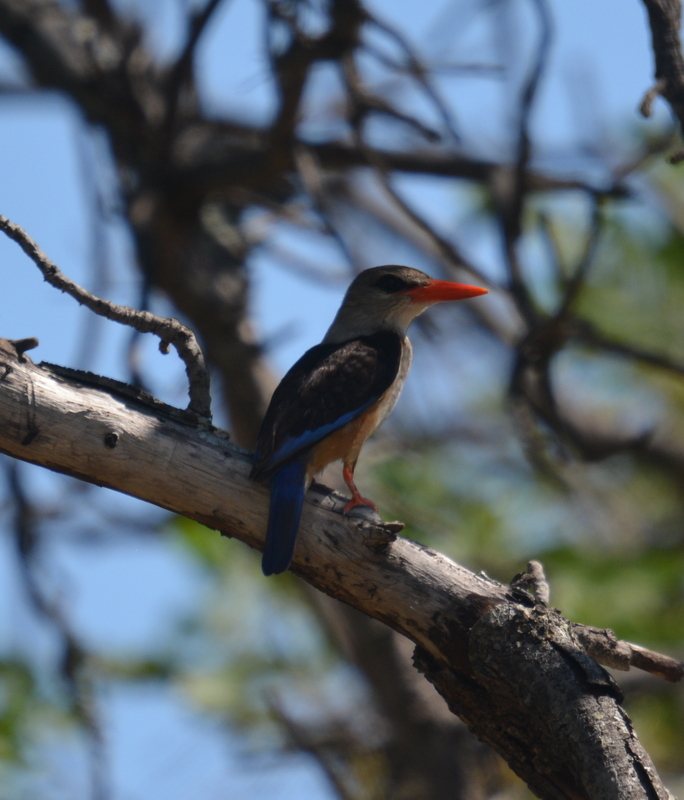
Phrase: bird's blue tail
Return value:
(287, 498)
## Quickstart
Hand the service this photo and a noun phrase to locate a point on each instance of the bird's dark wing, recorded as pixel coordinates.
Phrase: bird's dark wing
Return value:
(327, 388)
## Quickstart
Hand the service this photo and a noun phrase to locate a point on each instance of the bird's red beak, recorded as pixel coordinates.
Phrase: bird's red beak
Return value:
(440, 291)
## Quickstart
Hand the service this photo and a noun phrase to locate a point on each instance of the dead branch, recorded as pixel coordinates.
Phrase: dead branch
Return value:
(607, 649)
(665, 18)
(514, 672)
(170, 331)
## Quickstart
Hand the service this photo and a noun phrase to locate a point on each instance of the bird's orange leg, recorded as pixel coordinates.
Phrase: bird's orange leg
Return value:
(357, 499)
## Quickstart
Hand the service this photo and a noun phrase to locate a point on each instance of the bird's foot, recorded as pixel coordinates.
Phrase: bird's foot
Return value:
(357, 500)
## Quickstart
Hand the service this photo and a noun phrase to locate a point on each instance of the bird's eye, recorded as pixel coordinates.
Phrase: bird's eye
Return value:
(391, 284)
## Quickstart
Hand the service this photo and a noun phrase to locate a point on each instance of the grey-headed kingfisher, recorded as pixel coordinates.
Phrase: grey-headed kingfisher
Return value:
(338, 393)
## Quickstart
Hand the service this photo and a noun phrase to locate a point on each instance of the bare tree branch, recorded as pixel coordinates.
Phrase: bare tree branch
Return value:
(605, 647)
(511, 192)
(420, 72)
(665, 19)
(181, 72)
(170, 331)
(514, 672)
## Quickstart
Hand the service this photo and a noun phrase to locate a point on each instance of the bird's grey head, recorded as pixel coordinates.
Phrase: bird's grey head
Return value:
(377, 300)
(390, 298)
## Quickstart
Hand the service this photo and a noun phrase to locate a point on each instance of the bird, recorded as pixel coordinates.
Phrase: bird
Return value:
(337, 394)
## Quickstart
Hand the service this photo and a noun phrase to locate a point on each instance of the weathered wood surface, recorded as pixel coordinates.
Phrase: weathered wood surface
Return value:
(513, 671)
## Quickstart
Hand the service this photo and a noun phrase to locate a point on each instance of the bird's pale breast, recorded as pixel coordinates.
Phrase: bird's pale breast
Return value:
(346, 443)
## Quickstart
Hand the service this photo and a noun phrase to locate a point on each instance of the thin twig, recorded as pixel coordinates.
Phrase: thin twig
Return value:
(607, 649)
(602, 644)
(170, 331)
(181, 72)
(665, 19)
(420, 72)
(133, 351)
(513, 190)
(291, 66)
(367, 102)
(646, 105)
(576, 282)
(470, 68)
(553, 247)
(587, 334)
(302, 737)
(312, 177)
(445, 248)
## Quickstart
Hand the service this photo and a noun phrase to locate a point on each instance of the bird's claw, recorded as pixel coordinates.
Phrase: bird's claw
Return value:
(359, 501)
